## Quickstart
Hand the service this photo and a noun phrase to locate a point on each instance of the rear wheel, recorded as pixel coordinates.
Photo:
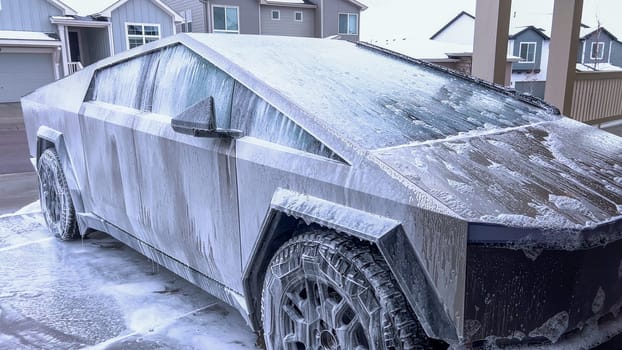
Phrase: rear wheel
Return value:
(323, 291)
(56, 204)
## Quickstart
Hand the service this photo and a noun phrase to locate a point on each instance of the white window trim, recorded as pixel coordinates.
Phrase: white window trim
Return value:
(348, 22)
(278, 15)
(301, 16)
(602, 52)
(535, 51)
(143, 36)
(225, 30)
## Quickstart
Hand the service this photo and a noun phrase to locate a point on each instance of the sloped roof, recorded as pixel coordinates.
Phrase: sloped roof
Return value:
(68, 10)
(288, 3)
(24, 38)
(463, 13)
(105, 7)
(521, 21)
(586, 34)
(518, 31)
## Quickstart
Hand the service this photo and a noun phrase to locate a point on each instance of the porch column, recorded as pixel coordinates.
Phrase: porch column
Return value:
(110, 40)
(62, 32)
(563, 54)
(490, 43)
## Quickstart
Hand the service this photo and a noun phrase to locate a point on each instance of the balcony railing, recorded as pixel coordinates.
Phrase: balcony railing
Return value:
(73, 67)
(597, 96)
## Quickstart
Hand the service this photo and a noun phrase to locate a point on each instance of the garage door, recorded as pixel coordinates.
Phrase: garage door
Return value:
(21, 73)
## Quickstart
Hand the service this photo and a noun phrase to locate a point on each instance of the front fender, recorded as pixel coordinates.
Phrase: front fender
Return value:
(47, 138)
(288, 208)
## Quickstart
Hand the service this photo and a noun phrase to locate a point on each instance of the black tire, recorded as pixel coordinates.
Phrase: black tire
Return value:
(56, 204)
(324, 291)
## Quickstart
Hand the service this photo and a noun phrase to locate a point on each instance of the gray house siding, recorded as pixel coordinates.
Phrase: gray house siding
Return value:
(96, 41)
(287, 25)
(28, 15)
(331, 10)
(580, 50)
(138, 11)
(616, 54)
(527, 36)
(198, 13)
(597, 37)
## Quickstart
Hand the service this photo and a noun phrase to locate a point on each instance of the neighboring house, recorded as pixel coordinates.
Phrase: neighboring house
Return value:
(599, 49)
(529, 39)
(29, 45)
(43, 40)
(459, 30)
(307, 18)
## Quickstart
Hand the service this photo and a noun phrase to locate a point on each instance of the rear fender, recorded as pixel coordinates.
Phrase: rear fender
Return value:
(289, 208)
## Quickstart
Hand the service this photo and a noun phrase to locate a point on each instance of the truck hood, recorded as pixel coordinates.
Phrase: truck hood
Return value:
(554, 175)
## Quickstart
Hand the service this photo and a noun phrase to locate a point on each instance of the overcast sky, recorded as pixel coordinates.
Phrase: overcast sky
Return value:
(388, 19)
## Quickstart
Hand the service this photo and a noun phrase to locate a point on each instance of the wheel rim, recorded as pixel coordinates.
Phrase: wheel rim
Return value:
(316, 316)
(49, 197)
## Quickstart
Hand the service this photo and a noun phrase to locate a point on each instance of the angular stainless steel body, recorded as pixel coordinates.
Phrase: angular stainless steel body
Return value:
(204, 206)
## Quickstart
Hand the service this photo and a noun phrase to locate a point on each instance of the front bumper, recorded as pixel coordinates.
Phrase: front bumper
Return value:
(536, 295)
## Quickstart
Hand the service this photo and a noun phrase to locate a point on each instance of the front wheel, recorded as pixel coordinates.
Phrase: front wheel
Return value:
(323, 291)
(56, 204)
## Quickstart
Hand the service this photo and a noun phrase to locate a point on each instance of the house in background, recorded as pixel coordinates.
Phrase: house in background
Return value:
(43, 40)
(529, 40)
(307, 18)
(599, 50)
(29, 45)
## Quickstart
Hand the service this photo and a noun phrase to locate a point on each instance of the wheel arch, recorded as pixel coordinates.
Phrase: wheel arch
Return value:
(288, 209)
(51, 138)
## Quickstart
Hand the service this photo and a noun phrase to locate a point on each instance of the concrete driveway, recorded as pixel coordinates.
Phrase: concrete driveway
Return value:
(97, 293)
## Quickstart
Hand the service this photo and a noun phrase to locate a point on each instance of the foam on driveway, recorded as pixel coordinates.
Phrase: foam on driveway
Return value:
(97, 293)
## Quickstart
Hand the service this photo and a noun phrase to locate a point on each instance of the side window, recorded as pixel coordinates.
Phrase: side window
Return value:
(139, 83)
(225, 19)
(598, 51)
(257, 118)
(186, 25)
(527, 52)
(348, 23)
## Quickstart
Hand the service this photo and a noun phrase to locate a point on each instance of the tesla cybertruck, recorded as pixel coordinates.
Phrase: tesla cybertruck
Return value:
(339, 195)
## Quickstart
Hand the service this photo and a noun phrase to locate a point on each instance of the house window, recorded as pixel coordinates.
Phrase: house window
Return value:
(141, 33)
(298, 16)
(598, 51)
(348, 23)
(527, 52)
(276, 15)
(186, 25)
(226, 19)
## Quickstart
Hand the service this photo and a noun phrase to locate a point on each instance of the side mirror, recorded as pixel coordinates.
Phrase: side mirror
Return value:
(199, 120)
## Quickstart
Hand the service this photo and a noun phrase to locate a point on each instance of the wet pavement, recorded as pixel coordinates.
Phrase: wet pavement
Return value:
(97, 293)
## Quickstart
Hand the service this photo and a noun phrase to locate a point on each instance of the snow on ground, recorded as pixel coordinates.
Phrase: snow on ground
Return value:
(99, 294)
